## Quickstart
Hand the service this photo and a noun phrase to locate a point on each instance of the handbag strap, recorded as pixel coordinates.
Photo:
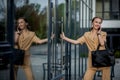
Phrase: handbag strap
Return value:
(105, 46)
(18, 41)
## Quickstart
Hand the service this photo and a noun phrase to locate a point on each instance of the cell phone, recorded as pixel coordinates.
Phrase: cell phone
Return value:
(99, 28)
(18, 29)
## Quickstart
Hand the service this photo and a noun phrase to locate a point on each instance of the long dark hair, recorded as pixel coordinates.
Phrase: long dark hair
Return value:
(94, 19)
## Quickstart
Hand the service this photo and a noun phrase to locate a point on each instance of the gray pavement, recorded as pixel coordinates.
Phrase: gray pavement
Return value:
(38, 57)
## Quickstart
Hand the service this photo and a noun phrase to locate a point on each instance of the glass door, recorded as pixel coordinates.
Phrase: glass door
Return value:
(3, 20)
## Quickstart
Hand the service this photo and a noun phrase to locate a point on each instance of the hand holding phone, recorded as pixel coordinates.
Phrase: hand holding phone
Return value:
(18, 30)
(99, 30)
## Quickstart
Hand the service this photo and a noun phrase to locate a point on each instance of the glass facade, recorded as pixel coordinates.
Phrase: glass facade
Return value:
(108, 9)
(71, 16)
(50, 60)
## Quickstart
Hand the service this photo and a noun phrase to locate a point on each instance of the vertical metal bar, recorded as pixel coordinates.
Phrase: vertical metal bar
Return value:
(55, 20)
(112, 68)
(10, 33)
(79, 55)
(10, 21)
(110, 9)
(66, 44)
(62, 24)
(70, 34)
(82, 33)
(103, 5)
(85, 29)
(79, 34)
(53, 49)
(75, 26)
(49, 38)
(89, 15)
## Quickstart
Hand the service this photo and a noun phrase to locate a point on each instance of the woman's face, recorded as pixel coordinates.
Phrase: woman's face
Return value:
(21, 24)
(97, 23)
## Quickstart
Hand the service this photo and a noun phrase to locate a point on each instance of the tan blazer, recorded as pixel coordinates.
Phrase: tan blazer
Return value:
(91, 44)
(25, 40)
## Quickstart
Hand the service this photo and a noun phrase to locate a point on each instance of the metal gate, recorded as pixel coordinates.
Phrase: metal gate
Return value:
(67, 61)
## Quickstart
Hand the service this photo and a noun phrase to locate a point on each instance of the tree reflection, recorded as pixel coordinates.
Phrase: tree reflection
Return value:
(37, 19)
(36, 16)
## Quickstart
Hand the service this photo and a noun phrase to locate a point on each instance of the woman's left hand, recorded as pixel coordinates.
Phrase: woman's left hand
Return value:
(99, 31)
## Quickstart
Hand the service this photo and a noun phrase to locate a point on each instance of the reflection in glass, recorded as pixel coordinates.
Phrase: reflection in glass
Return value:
(36, 14)
(35, 11)
(3, 20)
(106, 15)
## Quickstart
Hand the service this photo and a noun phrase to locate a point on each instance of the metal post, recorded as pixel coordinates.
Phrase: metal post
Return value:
(79, 34)
(10, 21)
(70, 34)
(10, 32)
(75, 27)
(66, 44)
(49, 38)
(56, 31)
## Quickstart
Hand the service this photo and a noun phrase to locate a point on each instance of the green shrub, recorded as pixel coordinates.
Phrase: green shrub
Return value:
(83, 55)
(117, 53)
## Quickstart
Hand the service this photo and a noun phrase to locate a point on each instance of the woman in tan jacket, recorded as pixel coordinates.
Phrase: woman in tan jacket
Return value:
(92, 39)
(24, 38)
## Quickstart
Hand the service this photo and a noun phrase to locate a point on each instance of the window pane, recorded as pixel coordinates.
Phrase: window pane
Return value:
(99, 14)
(115, 5)
(3, 20)
(106, 5)
(98, 5)
(106, 15)
(108, 9)
(115, 13)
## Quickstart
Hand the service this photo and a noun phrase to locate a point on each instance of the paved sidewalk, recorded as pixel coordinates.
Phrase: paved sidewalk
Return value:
(117, 70)
(42, 58)
(38, 60)
(38, 57)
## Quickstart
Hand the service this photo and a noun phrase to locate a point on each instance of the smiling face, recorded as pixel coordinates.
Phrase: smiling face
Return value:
(96, 22)
(22, 24)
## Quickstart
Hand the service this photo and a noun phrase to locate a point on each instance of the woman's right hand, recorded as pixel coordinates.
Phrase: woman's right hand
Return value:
(62, 36)
(68, 39)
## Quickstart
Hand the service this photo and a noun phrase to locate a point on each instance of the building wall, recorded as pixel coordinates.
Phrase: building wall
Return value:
(111, 24)
(106, 9)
